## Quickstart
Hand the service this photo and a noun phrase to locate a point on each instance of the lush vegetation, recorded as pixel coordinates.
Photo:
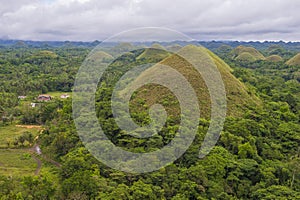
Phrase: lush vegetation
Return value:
(256, 157)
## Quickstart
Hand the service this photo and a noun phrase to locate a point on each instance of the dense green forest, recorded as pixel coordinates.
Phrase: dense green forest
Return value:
(256, 157)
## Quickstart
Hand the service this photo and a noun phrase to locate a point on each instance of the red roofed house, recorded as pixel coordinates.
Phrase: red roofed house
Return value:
(44, 97)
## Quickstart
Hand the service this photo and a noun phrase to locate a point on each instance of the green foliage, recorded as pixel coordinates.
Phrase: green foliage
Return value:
(275, 192)
(256, 157)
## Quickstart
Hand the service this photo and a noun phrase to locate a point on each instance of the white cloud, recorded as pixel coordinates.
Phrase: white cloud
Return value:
(98, 19)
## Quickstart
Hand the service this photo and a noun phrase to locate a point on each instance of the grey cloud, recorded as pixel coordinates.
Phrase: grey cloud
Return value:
(203, 20)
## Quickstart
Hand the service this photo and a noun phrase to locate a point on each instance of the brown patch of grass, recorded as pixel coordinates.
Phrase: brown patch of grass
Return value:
(29, 126)
(295, 61)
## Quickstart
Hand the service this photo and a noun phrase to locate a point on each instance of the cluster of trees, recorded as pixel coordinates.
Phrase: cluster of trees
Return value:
(28, 187)
(28, 72)
(253, 160)
(26, 137)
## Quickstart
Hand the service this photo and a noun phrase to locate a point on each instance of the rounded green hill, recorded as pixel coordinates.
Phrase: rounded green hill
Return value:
(100, 56)
(157, 46)
(174, 47)
(294, 61)
(246, 56)
(46, 54)
(249, 54)
(224, 48)
(274, 58)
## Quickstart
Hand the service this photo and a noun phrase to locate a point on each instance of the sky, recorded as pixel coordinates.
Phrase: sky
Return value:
(89, 20)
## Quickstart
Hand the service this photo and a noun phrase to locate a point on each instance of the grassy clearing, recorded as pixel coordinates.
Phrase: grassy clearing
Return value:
(10, 132)
(20, 162)
(16, 163)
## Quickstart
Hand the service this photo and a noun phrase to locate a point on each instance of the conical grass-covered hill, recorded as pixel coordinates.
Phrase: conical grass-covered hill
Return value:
(275, 50)
(246, 56)
(157, 46)
(42, 56)
(244, 53)
(100, 56)
(45, 54)
(274, 58)
(173, 47)
(238, 96)
(294, 61)
(153, 54)
(224, 49)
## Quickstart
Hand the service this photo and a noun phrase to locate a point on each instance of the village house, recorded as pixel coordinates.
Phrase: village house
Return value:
(64, 96)
(21, 97)
(44, 97)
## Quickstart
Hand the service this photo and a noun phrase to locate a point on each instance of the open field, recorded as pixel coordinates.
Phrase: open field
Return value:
(10, 132)
(15, 162)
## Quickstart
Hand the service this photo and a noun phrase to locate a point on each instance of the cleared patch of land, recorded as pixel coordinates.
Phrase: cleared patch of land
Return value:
(11, 132)
(17, 162)
(29, 126)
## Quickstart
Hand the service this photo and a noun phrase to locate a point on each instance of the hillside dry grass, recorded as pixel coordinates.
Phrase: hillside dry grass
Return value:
(157, 46)
(153, 54)
(294, 61)
(238, 96)
(274, 58)
(174, 47)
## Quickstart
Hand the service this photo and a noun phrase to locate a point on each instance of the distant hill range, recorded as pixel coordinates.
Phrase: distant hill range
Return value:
(211, 45)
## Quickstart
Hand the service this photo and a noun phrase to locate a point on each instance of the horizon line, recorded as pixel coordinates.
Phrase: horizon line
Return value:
(195, 40)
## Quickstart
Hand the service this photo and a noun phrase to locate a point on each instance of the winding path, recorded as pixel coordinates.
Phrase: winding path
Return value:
(36, 150)
(39, 165)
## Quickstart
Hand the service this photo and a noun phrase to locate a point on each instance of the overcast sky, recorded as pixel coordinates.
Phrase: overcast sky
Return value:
(88, 20)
